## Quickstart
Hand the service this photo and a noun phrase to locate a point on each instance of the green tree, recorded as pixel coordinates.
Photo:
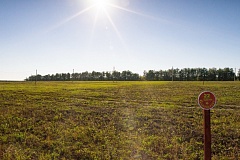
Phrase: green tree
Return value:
(116, 75)
(212, 74)
(150, 75)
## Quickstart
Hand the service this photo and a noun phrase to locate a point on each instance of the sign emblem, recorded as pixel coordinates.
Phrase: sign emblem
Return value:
(206, 100)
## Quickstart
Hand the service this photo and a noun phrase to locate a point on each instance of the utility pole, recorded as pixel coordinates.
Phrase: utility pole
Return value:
(203, 76)
(235, 74)
(36, 78)
(73, 75)
(113, 73)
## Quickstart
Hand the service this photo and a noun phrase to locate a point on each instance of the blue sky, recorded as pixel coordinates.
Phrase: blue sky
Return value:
(57, 36)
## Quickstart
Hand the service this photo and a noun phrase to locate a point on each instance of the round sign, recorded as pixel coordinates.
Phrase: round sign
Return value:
(206, 100)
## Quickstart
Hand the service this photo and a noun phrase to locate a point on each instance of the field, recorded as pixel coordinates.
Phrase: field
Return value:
(116, 120)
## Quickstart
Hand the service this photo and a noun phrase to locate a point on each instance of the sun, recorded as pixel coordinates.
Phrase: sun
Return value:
(102, 8)
(101, 4)
(104, 12)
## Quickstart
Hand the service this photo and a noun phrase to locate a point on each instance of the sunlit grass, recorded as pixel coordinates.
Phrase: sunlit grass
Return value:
(114, 120)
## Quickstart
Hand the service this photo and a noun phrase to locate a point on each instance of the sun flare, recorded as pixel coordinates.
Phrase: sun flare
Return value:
(101, 4)
(102, 9)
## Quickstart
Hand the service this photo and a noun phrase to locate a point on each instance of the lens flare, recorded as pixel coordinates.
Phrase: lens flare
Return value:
(104, 7)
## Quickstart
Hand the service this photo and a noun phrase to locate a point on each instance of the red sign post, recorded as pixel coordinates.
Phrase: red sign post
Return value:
(206, 101)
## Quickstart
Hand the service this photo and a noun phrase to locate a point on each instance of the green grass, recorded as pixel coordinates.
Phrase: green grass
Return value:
(121, 120)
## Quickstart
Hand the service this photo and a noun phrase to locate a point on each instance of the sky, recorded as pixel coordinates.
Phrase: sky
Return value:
(57, 36)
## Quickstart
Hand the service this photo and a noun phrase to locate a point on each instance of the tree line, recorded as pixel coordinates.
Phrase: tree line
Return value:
(192, 74)
(185, 74)
(88, 76)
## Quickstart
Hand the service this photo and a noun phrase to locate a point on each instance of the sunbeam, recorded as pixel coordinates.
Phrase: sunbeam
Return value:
(94, 24)
(115, 29)
(70, 18)
(138, 13)
(103, 6)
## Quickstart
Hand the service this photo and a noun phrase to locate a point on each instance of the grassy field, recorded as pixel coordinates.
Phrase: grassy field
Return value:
(120, 120)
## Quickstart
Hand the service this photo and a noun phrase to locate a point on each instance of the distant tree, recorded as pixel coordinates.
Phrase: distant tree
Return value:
(46, 77)
(176, 74)
(193, 74)
(116, 75)
(93, 76)
(220, 74)
(185, 74)
(108, 76)
(135, 77)
(104, 75)
(202, 74)
(74, 76)
(150, 75)
(39, 77)
(157, 76)
(124, 75)
(84, 76)
(228, 74)
(181, 75)
(129, 75)
(212, 74)
(68, 76)
(167, 75)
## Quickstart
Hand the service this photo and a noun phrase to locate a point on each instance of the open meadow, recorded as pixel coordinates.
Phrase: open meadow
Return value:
(116, 120)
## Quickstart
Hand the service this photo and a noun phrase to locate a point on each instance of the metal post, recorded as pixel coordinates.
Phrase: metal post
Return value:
(207, 135)
(73, 76)
(235, 74)
(113, 73)
(36, 78)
